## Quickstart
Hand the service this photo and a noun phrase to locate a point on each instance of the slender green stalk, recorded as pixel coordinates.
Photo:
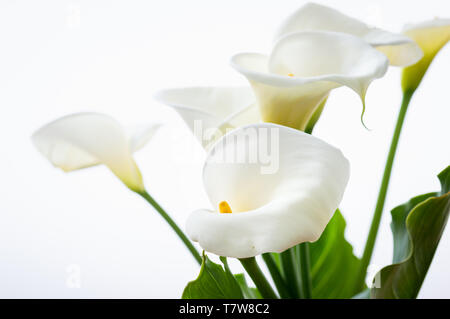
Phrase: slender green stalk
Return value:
(276, 275)
(305, 272)
(303, 249)
(172, 224)
(371, 238)
(258, 278)
(291, 271)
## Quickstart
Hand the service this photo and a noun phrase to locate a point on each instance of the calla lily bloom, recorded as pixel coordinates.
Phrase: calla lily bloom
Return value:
(303, 68)
(86, 139)
(289, 85)
(431, 36)
(212, 109)
(400, 50)
(309, 59)
(256, 212)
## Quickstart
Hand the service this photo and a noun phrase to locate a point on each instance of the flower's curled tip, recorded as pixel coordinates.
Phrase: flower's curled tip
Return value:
(362, 115)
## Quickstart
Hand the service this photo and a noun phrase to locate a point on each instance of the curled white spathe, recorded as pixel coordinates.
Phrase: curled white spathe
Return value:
(431, 36)
(292, 101)
(302, 69)
(86, 139)
(214, 108)
(314, 56)
(271, 212)
(400, 49)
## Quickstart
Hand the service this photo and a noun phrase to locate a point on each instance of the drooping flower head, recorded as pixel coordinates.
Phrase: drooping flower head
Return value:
(86, 139)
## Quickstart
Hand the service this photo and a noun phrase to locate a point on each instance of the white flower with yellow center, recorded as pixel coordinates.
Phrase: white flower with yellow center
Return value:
(288, 85)
(255, 212)
(316, 49)
(303, 67)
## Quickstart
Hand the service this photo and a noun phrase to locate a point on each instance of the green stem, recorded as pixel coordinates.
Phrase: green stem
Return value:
(172, 224)
(258, 278)
(291, 272)
(371, 238)
(276, 275)
(303, 249)
(305, 272)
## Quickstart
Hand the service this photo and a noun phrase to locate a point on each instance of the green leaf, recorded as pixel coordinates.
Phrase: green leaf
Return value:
(249, 292)
(213, 282)
(417, 227)
(333, 264)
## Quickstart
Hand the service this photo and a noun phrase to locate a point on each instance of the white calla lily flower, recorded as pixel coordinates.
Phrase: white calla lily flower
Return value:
(303, 68)
(257, 212)
(317, 49)
(212, 109)
(431, 36)
(86, 139)
(400, 49)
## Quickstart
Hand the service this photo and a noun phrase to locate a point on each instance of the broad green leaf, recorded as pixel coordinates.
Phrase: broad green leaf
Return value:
(213, 282)
(249, 292)
(333, 264)
(401, 236)
(417, 227)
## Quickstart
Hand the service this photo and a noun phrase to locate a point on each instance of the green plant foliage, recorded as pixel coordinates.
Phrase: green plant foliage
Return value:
(249, 292)
(333, 264)
(417, 227)
(213, 282)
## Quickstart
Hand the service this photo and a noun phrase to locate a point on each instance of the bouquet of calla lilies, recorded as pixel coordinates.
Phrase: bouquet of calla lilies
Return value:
(273, 186)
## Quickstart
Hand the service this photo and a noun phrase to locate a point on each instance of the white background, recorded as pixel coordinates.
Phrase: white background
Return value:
(59, 57)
